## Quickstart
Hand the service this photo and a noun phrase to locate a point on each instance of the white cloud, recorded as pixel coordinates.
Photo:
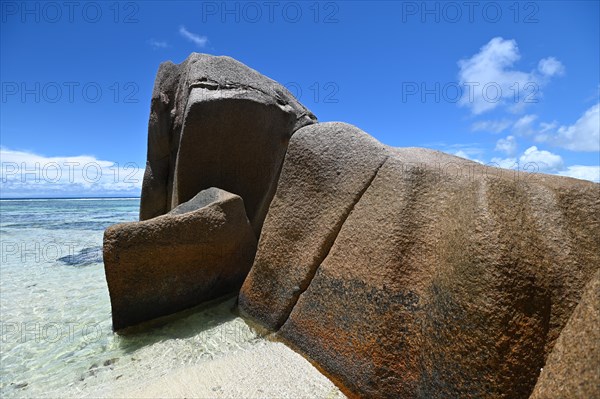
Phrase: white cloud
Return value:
(524, 125)
(505, 163)
(200, 41)
(462, 154)
(491, 126)
(534, 160)
(547, 127)
(469, 156)
(507, 145)
(550, 67)
(591, 173)
(156, 44)
(25, 174)
(490, 80)
(541, 160)
(583, 135)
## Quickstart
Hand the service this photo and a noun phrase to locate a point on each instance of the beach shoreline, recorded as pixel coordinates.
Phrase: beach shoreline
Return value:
(267, 370)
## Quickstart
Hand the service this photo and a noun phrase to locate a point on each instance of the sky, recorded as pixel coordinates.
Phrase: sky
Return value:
(510, 84)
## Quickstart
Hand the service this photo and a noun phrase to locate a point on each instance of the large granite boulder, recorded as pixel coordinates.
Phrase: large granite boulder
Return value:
(214, 122)
(416, 274)
(400, 272)
(199, 251)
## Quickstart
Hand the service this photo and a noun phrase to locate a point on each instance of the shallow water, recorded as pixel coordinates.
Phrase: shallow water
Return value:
(55, 315)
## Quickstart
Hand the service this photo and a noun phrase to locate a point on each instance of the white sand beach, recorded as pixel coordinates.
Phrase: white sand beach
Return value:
(267, 370)
(206, 352)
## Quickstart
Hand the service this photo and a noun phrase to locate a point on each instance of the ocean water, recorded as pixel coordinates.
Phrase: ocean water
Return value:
(55, 319)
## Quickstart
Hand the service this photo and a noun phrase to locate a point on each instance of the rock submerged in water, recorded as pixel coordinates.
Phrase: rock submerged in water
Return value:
(199, 251)
(85, 257)
(401, 272)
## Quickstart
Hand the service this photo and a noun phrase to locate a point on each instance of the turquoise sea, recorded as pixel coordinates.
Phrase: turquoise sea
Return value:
(55, 319)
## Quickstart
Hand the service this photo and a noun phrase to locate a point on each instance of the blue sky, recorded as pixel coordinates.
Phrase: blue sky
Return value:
(513, 84)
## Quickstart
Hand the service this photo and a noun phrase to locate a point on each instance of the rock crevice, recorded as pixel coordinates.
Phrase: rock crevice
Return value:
(328, 244)
(332, 170)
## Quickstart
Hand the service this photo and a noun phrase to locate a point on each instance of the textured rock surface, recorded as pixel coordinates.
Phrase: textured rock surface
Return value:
(573, 367)
(202, 199)
(175, 261)
(324, 174)
(412, 273)
(214, 122)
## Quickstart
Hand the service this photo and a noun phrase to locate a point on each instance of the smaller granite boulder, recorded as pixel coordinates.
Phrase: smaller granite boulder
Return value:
(573, 367)
(199, 251)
